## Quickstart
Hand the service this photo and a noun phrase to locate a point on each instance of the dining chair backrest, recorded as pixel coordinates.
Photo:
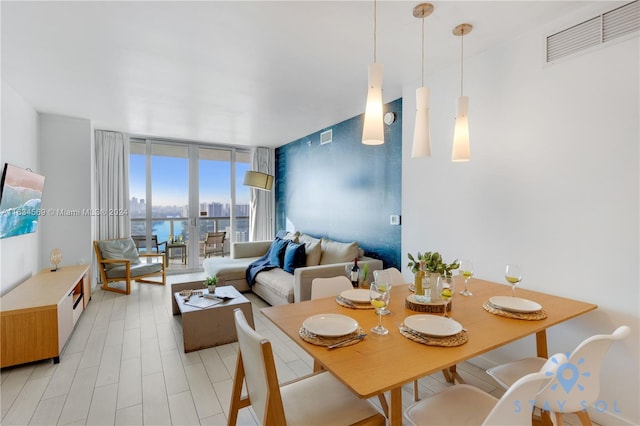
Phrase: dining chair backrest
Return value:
(333, 286)
(514, 407)
(260, 372)
(578, 381)
(395, 276)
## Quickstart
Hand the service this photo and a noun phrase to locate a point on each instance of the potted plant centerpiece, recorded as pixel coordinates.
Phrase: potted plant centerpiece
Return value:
(427, 264)
(210, 283)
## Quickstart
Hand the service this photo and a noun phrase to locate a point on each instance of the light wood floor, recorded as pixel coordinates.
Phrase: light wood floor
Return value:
(125, 365)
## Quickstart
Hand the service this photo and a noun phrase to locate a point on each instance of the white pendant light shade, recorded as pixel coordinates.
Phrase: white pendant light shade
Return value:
(461, 148)
(421, 132)
(373, 129)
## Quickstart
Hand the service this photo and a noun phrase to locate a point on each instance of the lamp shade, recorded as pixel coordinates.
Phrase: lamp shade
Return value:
(373, 129)
(461, 148)
(258, 180)
(422, 133)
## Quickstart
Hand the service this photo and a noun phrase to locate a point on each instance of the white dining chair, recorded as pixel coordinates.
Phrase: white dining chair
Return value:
(467, 405)
(395, 276)
(333, 286)
(317, 399)
(566, 394)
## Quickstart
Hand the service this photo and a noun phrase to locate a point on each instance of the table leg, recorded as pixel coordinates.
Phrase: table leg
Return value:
(395, 413)
(541, 344)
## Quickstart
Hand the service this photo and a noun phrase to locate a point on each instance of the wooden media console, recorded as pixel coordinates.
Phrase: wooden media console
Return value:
(38, 316)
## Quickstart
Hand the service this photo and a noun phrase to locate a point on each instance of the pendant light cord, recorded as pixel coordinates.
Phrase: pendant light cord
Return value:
(422, 52)
(461, 60)
(374, 29)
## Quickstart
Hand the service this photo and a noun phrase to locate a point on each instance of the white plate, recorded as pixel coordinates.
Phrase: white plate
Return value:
(514, 304)
(358, 295)
(433, 325)
(330, 325)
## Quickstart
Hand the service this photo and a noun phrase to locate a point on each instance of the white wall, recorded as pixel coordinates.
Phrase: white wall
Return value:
(65, 150)
(553, 185)
(18, 146)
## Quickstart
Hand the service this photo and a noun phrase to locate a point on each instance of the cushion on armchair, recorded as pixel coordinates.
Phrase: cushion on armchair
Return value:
(123, 248)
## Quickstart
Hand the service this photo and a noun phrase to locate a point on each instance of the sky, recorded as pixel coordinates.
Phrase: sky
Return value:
(170, 180)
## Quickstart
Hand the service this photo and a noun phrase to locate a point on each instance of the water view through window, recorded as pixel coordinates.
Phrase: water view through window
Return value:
(164, 177)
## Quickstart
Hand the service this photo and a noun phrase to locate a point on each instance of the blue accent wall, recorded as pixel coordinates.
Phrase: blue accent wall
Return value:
(344, 190)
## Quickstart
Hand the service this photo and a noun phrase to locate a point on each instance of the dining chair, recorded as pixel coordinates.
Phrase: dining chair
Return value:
(395, 276)
(566, 395)
(317, 399)
(332, 286)
(467, 405)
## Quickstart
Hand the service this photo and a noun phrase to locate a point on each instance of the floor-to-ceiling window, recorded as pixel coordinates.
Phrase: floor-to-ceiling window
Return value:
(181, 191)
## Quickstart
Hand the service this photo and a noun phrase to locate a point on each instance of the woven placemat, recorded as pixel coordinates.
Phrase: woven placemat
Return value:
(353, 305)
(448, 341)
(529, 316)
(314, 339)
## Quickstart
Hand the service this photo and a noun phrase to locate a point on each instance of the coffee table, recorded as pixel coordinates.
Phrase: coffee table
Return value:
(212, 326)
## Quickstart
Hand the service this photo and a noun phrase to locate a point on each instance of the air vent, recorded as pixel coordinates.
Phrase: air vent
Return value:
(595, 31)
(326, 137)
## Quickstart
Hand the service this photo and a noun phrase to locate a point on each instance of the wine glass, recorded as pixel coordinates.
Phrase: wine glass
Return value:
(379, 296)
(448, 286)
(383, 278)
(513, 275)
(466, 270)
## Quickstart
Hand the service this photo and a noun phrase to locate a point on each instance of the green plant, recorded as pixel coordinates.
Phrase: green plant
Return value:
(433, 262)
(365, 271)
(210, 281)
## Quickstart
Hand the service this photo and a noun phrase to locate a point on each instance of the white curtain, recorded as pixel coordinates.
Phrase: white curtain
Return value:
(112, 184)
(262, 202)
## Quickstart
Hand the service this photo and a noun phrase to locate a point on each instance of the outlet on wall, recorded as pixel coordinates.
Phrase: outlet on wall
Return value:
(394, 219)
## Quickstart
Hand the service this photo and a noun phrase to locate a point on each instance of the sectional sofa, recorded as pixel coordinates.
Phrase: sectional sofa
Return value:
(287, 283)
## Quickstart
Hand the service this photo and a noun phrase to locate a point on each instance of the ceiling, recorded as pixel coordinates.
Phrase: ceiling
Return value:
(256, 73)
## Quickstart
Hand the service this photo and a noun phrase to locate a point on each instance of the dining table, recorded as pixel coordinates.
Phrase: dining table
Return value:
(384, 363)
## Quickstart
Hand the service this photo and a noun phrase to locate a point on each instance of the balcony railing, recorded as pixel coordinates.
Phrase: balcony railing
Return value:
(177, 229)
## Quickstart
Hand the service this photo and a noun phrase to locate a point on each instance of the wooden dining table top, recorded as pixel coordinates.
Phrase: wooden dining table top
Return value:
(382, 363)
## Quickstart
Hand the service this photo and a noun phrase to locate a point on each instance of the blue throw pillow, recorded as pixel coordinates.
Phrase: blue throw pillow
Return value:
(295, 256)
(276, 252)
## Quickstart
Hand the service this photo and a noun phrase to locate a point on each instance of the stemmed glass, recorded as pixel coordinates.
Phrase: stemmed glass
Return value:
(466, 270)
(513, 275)
(383, 278)
(448, 286)
(379, 296)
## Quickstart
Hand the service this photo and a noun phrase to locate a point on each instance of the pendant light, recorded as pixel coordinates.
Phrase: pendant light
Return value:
(422, 132)
(373, 128)
(461, 148)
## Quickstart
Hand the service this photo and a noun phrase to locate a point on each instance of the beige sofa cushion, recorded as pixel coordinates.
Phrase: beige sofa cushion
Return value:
(304, 238)
(335, 252)
(292, 236)
(314, 251)
(276, 281)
